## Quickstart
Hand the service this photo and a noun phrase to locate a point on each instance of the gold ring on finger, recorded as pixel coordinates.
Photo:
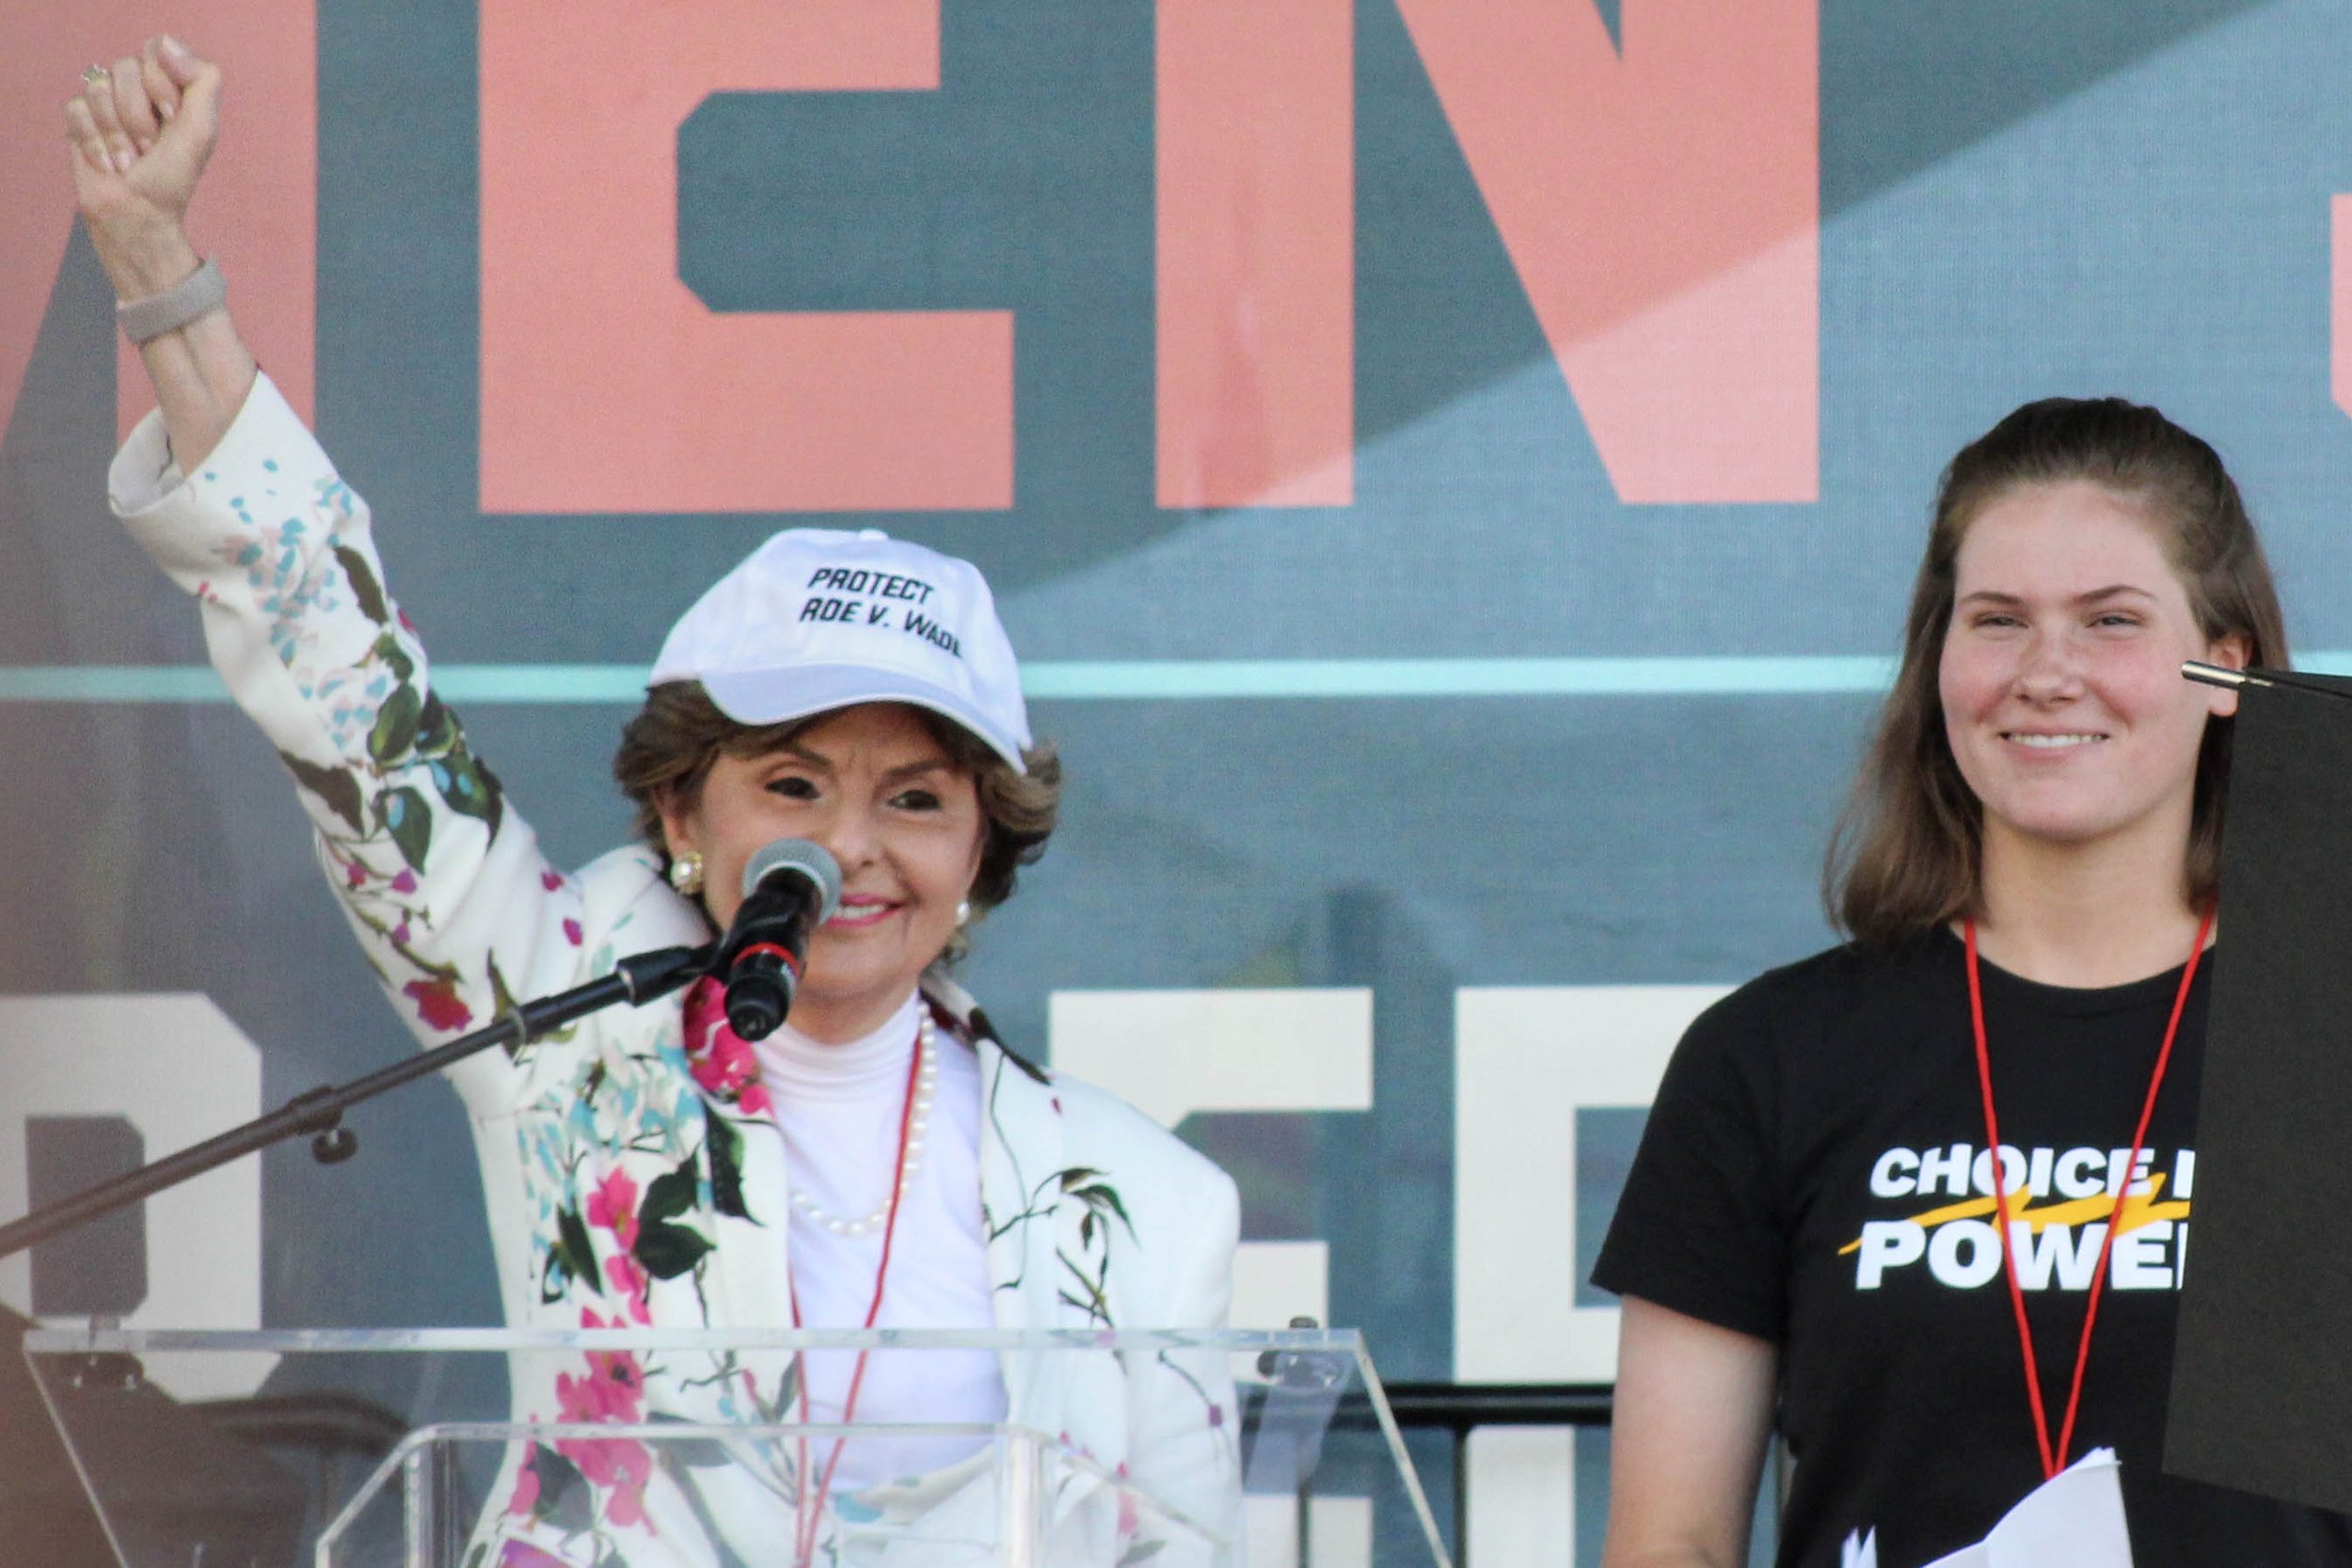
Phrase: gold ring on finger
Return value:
(97, 73)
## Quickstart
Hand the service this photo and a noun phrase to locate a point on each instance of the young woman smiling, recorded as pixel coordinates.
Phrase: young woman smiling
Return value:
(1921, 1202)
(881, 1161)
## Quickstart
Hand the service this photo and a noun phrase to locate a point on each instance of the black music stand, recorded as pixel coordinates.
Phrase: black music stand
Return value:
(2261, 1372)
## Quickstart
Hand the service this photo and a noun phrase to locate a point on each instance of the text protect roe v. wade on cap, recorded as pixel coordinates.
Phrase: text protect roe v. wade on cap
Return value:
(817, 619)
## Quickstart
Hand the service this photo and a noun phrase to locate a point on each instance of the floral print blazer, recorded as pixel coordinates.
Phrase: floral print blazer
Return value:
(629, 1181)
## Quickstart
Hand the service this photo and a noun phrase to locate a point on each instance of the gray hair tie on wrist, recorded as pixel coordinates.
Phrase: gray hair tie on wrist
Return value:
(197, 296)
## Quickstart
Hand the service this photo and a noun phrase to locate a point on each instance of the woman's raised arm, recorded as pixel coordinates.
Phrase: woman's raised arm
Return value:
(141, 132)
(447, 891)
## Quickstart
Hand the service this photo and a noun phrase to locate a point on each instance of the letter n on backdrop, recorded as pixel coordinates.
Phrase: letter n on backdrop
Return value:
(1662, 203)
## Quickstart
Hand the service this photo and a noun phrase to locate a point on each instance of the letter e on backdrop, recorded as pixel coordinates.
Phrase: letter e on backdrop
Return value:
(606, 386)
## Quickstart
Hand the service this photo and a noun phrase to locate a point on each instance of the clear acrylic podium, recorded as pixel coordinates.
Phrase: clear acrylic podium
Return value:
(497, 1449)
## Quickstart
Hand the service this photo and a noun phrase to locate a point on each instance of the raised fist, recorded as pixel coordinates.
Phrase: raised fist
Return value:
(141, 132)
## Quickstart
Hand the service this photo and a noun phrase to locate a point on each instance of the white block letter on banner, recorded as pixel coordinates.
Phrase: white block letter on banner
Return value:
(1526, 1059)
(179, 1070)
(1176, 1052)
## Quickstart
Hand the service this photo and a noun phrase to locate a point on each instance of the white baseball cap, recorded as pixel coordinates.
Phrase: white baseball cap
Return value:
(817, 619)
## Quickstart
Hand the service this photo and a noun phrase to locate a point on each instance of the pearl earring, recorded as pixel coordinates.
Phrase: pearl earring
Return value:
(963, 911)
(686, 872)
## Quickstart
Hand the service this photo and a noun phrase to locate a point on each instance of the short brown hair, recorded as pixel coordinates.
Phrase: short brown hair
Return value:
(1907, 852)
(668, 747)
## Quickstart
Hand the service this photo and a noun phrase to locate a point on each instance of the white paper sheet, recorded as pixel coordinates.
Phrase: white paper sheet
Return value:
(2072, 1520)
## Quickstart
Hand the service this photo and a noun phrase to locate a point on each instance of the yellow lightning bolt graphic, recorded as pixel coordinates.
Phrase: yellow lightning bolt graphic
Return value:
(2141, 1209)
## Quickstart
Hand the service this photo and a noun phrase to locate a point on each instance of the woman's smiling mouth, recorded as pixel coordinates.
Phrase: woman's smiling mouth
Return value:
(858, 913)
(2043, 742)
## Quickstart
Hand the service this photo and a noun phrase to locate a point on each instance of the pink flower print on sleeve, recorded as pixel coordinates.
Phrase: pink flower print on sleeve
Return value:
(627, 1279)
(624, 1467)
(439, 1003)
(526, 1495)
(613, 1207)
(723, 1065)
(730, 1071)
(1130, 1523)
(612, 1390)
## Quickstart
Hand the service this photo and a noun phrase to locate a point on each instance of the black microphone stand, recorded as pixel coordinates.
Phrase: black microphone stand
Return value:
(637, 979)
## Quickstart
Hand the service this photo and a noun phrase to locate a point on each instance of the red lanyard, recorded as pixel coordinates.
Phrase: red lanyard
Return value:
(2054, 1460)
(807, 1520)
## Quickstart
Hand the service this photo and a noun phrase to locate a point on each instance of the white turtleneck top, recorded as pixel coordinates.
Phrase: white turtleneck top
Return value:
(838, 1107)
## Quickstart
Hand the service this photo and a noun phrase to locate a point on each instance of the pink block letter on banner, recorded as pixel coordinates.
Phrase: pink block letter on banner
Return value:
(1256, 253)
(606, 384)
(257, 212)
(1663, 207)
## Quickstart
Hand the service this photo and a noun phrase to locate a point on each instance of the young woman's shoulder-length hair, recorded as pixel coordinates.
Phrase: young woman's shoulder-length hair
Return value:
(1905, 856)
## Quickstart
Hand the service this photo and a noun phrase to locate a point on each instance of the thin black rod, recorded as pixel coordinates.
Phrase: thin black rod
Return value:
(637, 979)
(2217, 675)
(1461, 1406)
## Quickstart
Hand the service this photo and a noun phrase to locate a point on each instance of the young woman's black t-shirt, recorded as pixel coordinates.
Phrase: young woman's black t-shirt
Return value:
(1812, 1173)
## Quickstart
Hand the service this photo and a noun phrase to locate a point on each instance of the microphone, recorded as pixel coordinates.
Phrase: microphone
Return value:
(790, 887)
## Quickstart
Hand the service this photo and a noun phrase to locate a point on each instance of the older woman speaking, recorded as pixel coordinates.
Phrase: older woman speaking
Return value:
(882, 1159)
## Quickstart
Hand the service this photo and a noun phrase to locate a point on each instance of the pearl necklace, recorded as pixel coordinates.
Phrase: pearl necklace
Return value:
(918, 1122)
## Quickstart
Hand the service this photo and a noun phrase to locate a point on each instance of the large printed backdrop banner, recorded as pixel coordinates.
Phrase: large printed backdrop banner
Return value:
(1453, 468)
